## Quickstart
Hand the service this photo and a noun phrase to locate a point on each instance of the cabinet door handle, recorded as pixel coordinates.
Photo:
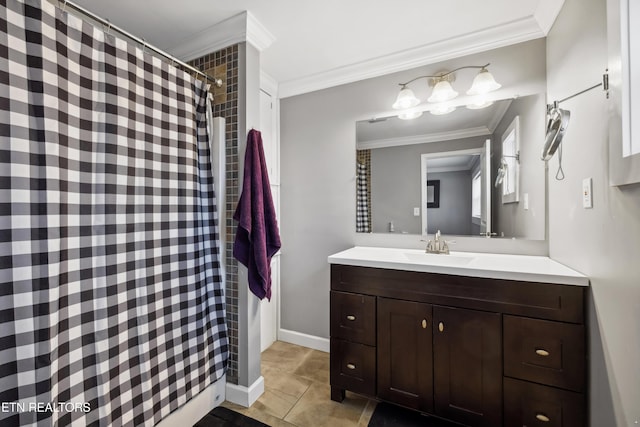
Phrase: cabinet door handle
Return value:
(351, 366)
(424, 323)
(543, 418)
(441, 327)
(542, 352)
(351, 317)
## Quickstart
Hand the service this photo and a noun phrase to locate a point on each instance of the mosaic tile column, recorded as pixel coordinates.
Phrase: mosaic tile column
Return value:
(223, 64)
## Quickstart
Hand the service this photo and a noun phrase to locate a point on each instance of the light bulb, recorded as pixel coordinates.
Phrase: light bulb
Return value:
(406, 99)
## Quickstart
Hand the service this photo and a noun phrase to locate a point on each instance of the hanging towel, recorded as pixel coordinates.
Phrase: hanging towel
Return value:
(257, 237)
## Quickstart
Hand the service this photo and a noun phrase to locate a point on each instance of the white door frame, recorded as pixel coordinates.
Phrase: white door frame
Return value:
(423, 176)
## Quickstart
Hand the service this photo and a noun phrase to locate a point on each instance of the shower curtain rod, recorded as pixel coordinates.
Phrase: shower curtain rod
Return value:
(143, 42)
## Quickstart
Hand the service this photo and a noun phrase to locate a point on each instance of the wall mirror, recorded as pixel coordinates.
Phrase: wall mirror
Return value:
(508, 178)
(399, 161)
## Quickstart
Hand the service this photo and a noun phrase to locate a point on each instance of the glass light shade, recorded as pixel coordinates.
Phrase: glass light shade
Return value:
(442, 91)
(406, 99)
(442, 109)
(480, 104)
(483, 83)
(409, 115)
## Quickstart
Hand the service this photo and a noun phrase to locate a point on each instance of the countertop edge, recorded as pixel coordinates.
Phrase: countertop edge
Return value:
(470, 272)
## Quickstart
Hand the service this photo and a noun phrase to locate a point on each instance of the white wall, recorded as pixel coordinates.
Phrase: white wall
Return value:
(603, 242)
(318, 176)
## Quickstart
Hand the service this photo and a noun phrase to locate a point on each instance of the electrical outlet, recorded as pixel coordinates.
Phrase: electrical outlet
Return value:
(587, 196)
(416, 211)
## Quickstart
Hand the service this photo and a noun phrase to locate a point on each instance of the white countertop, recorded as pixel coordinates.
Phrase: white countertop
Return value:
(495, 266)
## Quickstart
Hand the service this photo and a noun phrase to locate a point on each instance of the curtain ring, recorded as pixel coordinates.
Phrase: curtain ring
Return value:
(64, 6)
(144, 45)
(108, 27)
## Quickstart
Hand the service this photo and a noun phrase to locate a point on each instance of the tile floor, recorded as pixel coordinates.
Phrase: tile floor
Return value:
(296, 392)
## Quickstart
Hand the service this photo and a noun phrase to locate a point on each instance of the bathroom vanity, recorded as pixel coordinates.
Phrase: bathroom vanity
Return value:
(479, 339)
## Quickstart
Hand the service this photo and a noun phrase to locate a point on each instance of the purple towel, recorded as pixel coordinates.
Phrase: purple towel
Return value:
(257, 237)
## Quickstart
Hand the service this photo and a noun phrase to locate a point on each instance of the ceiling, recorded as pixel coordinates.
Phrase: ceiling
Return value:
(346, 40)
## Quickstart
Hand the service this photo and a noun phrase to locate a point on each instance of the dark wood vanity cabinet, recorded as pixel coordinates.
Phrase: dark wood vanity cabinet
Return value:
(467, 366)
(480, 352)
(405, 353)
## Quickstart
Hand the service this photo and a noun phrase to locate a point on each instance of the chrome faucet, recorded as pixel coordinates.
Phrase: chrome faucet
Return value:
(438, 245)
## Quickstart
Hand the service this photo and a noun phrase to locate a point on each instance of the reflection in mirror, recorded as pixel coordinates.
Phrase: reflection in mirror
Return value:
(398, 158)
(461, 201)
(509, 172)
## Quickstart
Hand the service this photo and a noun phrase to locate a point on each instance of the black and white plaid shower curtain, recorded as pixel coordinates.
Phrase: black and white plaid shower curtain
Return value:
(111, 304)
(363, 206)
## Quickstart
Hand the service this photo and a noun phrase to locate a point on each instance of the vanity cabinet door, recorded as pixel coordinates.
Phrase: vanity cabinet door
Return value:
(467, 362)
(405, 368)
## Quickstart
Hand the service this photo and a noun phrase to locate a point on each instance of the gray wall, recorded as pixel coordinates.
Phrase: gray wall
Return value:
(318, 151)
(395, 183)
(454, 214)
(511, 218)
(603, 242)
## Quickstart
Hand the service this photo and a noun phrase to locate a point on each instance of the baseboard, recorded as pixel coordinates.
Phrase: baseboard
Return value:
(199, 406)
(245, 396)
(305, 340)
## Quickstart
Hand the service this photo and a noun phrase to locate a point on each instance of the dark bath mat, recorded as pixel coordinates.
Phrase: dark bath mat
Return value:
(388, 415)
(224, 417)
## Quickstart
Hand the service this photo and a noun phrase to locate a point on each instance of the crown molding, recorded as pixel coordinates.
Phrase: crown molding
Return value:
(547, 12)
(243, 27)
(491, 38)
(257, 34)
(423, 139)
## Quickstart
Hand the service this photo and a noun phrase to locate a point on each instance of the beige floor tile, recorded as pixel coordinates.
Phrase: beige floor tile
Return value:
(316, 409)
(258, 415)
(367, 413)
(275, 403)
(284, 382)
(297, 389)
(315, 367)
(283, 356)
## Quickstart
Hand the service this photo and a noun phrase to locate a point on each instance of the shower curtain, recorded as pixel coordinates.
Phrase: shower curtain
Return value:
(111, 305)
(363, 205)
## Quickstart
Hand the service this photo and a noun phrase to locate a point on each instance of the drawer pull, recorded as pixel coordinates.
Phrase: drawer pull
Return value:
(542, 352)
(543, 418)
(424, 323)
(351, 366)
(441, 327)
(351, 317)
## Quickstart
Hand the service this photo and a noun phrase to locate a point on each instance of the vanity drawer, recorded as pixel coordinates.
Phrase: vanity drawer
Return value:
(534, 405)
(353, 366)
(353, 317)
(545, 352)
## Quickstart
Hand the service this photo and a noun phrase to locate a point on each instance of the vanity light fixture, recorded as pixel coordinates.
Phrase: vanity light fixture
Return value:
(409, 114)
(483, 83)
(442, 109)
(482, 103)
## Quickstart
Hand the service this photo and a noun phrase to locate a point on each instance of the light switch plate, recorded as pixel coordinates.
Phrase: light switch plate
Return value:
(525, 201)
(416, 211)
(587, 193)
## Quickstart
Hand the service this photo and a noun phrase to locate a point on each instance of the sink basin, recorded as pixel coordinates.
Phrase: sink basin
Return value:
(438, 259)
